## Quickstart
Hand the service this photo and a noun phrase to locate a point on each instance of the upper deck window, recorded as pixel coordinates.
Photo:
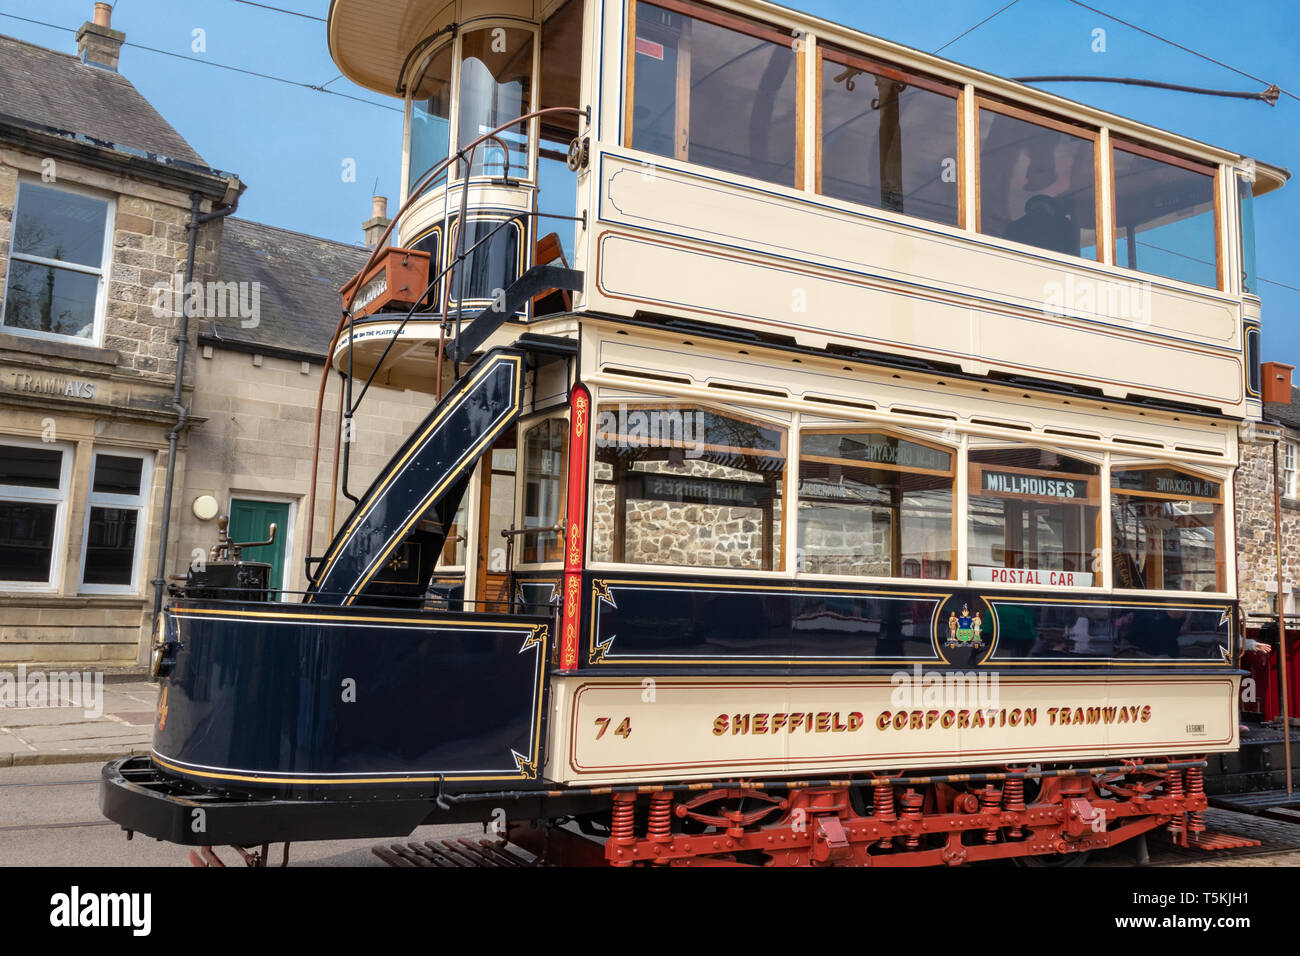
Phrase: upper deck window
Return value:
(1037, 180)
(888, 138)
(872, 503)
(496, 85)
(714, 89)
(1164, 215)
(430, 116)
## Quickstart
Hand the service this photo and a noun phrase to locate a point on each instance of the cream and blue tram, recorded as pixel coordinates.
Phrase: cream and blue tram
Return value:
(829, 460)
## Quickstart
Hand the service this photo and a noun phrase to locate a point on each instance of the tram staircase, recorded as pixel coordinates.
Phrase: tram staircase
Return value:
(391, 540)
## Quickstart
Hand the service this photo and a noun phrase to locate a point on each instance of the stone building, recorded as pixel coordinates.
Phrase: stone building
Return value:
(96, 193)
(1256, 519)
(96, 190)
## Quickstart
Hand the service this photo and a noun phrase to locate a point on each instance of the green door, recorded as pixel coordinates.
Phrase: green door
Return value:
(251, 521)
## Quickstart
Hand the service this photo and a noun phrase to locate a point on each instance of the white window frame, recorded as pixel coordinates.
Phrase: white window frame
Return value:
(138, 502)
(57, 496)
(105, 263)
(1290, 461)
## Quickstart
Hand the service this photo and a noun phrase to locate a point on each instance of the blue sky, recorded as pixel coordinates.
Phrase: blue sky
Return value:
(289, 144)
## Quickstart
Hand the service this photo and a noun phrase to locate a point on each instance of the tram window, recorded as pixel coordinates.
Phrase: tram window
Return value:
(430, 117)
(1246, 223)
(1167, 530)
(1033, 509)
(496, 85)
(888, 139)
(452, 556)
(1037, 181)
(490, 267)
(1164, 215)
(714, 89)
(545, 468)
(684, 486)
(871, 503)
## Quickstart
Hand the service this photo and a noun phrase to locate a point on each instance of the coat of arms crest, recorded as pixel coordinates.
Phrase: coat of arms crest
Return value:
(964, 629)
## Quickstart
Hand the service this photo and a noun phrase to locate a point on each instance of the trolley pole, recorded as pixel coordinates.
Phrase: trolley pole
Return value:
(1281, 619)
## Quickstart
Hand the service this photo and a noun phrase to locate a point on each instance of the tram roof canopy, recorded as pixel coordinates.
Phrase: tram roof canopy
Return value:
(372, 40)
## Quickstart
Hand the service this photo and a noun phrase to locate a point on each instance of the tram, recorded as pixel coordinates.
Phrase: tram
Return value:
(829, 462)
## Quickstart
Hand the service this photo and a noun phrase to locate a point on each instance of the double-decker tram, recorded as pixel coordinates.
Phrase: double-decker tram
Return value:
(829, 460)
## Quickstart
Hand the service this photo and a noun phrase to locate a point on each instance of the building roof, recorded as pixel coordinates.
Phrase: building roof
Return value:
(46, 88)
(1288, 415)
(299, 278)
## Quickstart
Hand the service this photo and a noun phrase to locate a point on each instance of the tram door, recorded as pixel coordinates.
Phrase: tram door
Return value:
(496, 512)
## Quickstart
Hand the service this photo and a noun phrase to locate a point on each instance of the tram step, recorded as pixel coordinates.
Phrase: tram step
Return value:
(462, 852)
(1256, 801)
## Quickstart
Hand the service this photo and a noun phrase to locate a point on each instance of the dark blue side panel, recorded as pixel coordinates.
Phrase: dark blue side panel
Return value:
(309, 697)
(422, 477)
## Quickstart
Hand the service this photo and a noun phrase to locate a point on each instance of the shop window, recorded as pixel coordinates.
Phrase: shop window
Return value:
(1164, 215)
(1167, 530)
(430, 117)
(715, 89)
(888, 138)
(115, 521)
(496, 85)
(872, 503)
(545, 470)
(57, 263)
(1037, 180)
(34, 481)
(689, 487)
(1034, 516)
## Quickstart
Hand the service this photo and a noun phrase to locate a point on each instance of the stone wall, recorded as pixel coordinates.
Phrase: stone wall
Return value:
(1256, 541)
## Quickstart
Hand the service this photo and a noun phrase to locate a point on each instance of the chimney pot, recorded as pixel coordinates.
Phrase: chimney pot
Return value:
(374, 227)
(98, 44)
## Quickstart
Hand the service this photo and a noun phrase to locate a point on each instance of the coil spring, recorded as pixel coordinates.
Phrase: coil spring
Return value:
(622, 825)
(1196, 788)
(1174, 790)
(912, 812)
(990, 800)
(1013, 800)
(661, 817)
(882, 804)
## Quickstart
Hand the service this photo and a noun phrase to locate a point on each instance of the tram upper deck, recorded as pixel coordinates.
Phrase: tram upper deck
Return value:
(745, 165)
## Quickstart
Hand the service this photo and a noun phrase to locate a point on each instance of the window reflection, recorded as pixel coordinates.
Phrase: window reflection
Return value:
(1164, 217)
(430, 117)
(720, 97)
(886, 141)
(871, 503)
(545, 468)
(1166, 530)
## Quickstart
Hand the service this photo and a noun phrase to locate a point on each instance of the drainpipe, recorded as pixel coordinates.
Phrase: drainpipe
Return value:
(197, 220)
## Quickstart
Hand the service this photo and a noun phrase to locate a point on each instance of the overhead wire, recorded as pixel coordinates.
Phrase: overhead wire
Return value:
(319, 88)
(977, 26)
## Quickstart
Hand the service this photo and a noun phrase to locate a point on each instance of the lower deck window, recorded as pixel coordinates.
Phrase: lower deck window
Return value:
(688, 487)
(545, 467)
(1034, 517)
(871, 503)
(1167, 530)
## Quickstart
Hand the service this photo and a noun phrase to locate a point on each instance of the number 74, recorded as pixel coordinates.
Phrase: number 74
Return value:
(623, 730)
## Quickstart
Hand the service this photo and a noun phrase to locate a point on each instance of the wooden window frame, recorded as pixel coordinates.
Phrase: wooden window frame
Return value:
(726, 21)
(1191, 165)
(617, 541)
(953, 450)
(1220, 517)
(871, 66)
(983, 102)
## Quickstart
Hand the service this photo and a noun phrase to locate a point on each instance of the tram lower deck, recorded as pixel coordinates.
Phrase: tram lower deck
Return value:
(672, 613)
